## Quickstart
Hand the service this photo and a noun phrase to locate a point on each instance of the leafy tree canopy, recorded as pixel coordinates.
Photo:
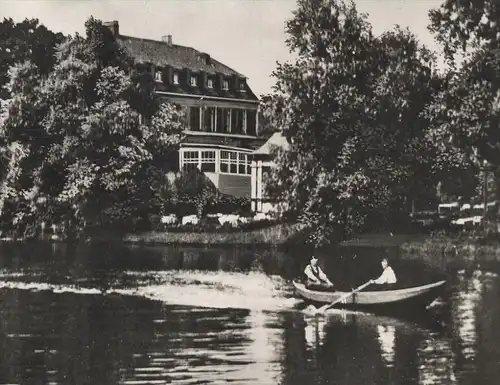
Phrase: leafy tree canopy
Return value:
(469, 105)
(83, 141)
(356, 110)
(27, 40)
(463, 26)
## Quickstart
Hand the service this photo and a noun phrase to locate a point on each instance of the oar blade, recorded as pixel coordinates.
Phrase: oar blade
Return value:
(323, 308)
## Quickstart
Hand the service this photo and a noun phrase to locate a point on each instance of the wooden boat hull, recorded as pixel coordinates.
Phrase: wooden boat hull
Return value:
(400, 299)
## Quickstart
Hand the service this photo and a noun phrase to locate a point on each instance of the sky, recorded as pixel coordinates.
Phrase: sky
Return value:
(247, 35)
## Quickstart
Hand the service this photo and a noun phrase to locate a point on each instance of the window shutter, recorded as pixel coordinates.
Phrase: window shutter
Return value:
(167, 75)
(204, 79)
(236, 83)
(220, 80)
(187, 76)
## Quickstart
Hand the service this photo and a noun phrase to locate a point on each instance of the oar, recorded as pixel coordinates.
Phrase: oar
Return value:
(344, 297)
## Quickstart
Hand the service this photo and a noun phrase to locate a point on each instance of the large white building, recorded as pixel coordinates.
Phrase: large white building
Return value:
(222, 127)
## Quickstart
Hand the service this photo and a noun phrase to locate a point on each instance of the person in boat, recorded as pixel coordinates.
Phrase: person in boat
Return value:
(315, 278)
(387, 279)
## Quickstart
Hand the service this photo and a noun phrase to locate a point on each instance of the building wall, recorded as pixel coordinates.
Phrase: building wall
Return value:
(235, 185)
(210, 137)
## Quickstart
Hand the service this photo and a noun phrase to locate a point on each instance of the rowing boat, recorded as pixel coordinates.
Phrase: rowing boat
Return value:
(409, 298)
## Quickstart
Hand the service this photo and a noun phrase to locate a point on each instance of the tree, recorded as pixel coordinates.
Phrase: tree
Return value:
(195, 192)
(27, 40)
(462, 26)
(470, 105)
(80, 153)
(270, 107)
(354, 108)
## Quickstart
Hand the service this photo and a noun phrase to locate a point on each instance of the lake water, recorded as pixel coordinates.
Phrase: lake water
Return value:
(158, 315)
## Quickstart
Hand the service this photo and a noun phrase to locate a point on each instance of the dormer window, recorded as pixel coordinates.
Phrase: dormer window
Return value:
(176, 79)
(158, 75)
(225, 85)
(210, 83)
(193, 81)
(242, 85)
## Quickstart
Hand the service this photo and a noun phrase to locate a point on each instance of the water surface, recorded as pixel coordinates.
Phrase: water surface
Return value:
(157, 315)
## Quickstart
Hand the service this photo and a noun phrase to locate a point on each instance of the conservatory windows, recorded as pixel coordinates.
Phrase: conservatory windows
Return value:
(222, 161)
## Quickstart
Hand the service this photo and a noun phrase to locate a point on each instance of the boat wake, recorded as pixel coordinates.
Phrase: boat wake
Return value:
(252, 291)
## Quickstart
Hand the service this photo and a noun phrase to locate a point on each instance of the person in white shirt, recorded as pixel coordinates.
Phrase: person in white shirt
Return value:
(388, 277)
(316, 279)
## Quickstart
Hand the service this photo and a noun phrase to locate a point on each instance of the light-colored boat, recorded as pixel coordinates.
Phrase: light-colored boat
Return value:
(413, 297)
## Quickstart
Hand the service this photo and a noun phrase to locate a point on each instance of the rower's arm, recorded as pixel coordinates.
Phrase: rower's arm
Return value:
(323, 276)
(382, 279)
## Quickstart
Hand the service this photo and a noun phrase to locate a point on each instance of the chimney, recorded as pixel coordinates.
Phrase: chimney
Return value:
(113, 26)
(167, 39)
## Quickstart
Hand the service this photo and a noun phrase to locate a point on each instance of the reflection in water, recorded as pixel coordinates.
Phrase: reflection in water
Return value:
(314, 331)
(264, 348)
(436, 362)
(387, 341)
(465, 317)
(465, 313)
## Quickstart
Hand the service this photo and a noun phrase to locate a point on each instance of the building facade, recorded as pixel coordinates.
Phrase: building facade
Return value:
(262, 162)
(222, 111)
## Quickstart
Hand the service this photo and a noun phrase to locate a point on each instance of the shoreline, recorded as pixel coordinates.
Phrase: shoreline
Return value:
(274, 235)
(283, 233)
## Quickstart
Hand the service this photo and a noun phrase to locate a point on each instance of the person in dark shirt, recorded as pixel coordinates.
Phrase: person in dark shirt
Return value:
(315, 278)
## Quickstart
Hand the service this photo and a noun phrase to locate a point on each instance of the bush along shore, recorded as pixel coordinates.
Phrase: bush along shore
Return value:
(441, 250)
(464, 250)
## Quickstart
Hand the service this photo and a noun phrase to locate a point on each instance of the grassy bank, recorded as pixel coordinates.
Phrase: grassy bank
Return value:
(465, 250)
(272, 235)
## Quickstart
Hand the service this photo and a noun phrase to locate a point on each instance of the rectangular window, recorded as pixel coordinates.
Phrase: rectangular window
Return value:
(194, 81)
(225, 85)
(219, 121)
(251, 122)
(223, 120)
(247, 169)
(237, 121)
(210, 83)
(209, 119)
(233, 162)
(224, 161)
(158, 73)
(242, 163)
(190, 160)
(194, 118)
(208, 161)
(176, 78)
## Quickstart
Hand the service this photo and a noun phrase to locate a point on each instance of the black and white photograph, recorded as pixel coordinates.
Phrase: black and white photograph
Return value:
(282, 192)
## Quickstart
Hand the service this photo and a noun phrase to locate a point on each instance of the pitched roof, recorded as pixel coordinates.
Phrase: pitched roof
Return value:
(161, 53)
(276, 140)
